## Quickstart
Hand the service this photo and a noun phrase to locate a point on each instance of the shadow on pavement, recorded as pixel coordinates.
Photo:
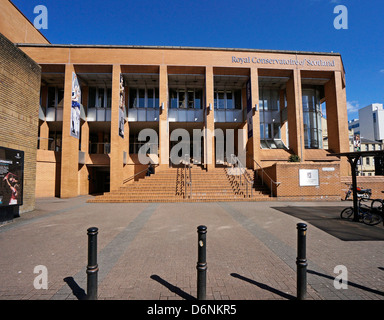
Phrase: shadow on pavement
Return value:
(264, 286)
(352, 284)
(172, 288)
(77, 291)
(327, 218)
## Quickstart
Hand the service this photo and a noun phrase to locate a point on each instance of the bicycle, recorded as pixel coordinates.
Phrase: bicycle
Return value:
(367, 215)
(361, 193)
(377, 206)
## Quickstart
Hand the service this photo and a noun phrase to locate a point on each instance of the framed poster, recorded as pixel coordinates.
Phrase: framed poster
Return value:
(308, 177)
(11, 177)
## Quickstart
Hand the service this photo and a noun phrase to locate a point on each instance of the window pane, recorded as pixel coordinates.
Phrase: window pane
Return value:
(141, 98)
(182, 102)
(230, 102)
(221, 101)
(173, 97)
(60, 97)
(190, 98)
(157, 98)
(132, 98)
(238, 99)
(109, 97)
(198, 95)
(150, 98)
(51, 97)
(100, 98)
(92, 97)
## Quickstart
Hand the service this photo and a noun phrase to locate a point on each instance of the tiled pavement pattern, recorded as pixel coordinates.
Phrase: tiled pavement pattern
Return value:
(149, 251)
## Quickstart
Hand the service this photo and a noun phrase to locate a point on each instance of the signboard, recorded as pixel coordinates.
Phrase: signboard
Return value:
(308, 177)
(249, 109)
(75, 110)
(11, 177)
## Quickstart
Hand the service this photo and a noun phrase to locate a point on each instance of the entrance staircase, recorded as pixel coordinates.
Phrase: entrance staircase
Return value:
(219, 184)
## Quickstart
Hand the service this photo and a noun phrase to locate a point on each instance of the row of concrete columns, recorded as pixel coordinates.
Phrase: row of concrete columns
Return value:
(71, 173)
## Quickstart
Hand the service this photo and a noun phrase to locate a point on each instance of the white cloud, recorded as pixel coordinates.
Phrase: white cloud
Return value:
(382, 70)
(352, 106)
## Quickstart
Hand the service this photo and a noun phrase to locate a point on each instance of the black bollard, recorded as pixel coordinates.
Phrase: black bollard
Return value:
(201, 263)
(301, 261)
(92, 268)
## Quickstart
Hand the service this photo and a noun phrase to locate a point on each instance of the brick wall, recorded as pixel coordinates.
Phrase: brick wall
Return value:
(376, 183)
(19, 106)
(288, 176)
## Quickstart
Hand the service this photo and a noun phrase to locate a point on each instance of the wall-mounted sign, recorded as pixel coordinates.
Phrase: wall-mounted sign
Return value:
(290, 62)
(11, 177)
(308, 177)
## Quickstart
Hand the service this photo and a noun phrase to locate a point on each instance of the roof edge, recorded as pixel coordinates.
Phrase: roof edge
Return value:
(100, 46)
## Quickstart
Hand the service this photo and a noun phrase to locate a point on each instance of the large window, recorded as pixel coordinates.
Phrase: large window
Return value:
(270, 125)
(99, 97)
(185, 98)
(313, 138)
(227, 99)
(55, 97)
(144, 98)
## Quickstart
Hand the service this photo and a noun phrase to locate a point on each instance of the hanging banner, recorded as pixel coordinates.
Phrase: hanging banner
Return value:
(11, 177)
(121, 107)
(249, 109)
(75, 110)
(356, 142)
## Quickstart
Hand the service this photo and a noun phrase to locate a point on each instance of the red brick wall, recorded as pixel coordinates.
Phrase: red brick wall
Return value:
(288, 176)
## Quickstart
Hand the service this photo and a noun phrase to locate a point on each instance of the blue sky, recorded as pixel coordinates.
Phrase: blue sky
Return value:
(305, 25)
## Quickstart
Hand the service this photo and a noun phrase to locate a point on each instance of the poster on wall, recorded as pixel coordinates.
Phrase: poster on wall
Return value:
(249, 109)
(308, 177)
(75, 110)
(121, 107)
(11, 177)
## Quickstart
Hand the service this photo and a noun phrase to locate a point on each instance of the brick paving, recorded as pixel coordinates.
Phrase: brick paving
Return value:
(148, 251)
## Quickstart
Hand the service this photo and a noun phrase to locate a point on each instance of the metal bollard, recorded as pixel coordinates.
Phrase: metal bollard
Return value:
(201, 263)
(301, 261)
(92, 267)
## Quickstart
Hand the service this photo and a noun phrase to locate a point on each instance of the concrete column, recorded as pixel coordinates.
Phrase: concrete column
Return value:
(337, 118)
(44, 135)
(255, 140)
(209, 124)
(83, 170)
(295, 114)
(117, 142)
(163, 119)
(44, 129)
(70, 145)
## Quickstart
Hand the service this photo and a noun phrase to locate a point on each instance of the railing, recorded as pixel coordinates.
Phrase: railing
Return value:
(272, 182)
(99, 148)
(241, 172)
(136, 174)
(187, 169)
(53, 144)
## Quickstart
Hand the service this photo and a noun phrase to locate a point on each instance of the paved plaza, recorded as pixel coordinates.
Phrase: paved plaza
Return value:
(148, 251)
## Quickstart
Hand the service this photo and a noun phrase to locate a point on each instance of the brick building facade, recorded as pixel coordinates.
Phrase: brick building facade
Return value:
(20, 79)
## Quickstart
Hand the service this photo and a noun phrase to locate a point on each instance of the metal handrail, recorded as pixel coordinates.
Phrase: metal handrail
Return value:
(264, 173)
(187, 163)
(131, 177)
(243, 172)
